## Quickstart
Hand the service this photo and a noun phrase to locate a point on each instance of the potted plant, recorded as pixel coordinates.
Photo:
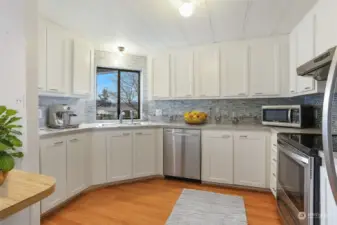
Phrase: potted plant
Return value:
(9, 141)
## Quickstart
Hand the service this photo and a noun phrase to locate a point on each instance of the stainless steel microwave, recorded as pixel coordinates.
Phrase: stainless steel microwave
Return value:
(297, 116)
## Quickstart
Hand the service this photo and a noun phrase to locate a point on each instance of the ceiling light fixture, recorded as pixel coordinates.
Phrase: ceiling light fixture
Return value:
(121, 50)
(186, 9)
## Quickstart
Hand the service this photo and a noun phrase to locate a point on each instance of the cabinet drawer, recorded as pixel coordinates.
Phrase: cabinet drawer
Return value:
(217, 134)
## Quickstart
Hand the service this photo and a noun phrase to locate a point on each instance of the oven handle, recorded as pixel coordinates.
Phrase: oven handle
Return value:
(304, 161)
(326, 126)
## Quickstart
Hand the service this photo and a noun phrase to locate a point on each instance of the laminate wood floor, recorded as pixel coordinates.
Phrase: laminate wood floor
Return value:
(150, 203)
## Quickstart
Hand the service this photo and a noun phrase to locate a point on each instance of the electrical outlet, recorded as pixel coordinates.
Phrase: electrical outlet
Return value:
(159, 112)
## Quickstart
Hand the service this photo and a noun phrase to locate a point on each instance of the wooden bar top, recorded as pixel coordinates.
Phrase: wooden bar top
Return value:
(22, 189)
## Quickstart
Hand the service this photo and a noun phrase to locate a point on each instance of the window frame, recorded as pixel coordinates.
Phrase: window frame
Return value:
(118, 91)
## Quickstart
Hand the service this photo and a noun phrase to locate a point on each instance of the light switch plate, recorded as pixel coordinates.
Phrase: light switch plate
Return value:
(40, 114)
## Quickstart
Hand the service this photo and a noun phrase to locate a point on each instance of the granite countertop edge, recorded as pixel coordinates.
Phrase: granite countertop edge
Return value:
(45, 132)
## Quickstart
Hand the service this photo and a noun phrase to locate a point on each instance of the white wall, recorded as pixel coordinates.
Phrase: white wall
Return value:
(18, 83)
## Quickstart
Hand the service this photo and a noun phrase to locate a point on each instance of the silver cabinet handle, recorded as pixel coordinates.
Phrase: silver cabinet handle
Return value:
(203, 95)
(241, 94)
(126, 134)
(274, 145)
(53, 89)
(73, 140)
(274, 174)
(40, 88)
(292, 91)
(275, 160)
(307, 88)
(188, 95)
(259, 93)
(243, 136)
(226, 136)
(58, 143)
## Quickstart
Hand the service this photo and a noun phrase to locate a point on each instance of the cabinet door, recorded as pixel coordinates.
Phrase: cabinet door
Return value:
(328, 204)
(82, 70)
(144, 143)
(119, 158)
(76, 166)
(207, 72)
(293, 63)
(305, 51)
(161, 77)
(98, 158)
(217, 157)
(42, 55)
(264, 67)
(250, 160)
(53, 160)
(182, 74)
(55, 59)
(234, 69)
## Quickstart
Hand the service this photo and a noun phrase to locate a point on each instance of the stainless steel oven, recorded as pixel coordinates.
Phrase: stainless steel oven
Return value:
(298, 116)
(298, 183)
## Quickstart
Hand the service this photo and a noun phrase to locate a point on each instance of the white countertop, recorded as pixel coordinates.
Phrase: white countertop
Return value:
(46, 132)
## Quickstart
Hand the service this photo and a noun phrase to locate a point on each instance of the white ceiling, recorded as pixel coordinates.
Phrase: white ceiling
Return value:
(143, 26)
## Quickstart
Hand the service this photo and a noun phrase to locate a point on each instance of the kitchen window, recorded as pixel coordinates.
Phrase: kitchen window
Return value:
(117, 91)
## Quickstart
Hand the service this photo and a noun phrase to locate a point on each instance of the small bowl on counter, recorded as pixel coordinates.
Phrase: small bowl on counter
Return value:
(195, 117)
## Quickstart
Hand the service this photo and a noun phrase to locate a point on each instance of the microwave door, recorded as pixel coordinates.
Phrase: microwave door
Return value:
(326, 125)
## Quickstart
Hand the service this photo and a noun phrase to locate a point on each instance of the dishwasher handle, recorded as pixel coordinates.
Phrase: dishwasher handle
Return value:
(185, 134)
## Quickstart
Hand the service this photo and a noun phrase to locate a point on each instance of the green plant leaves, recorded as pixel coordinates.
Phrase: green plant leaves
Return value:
(7, 162)
(17, 154)
(12, 120)
(11, 112)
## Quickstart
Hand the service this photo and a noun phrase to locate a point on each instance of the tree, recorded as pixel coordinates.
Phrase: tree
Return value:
(104, 98)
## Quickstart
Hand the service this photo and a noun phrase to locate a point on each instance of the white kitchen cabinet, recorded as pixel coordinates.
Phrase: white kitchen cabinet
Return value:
(305, 51)
(182, 74)
(42, 55)
(98, 156)
(250, 159)
(234, 69)
(144, 153)
(207, 71)
(293, 63)
(328, 205)
(161, 79)
(217, 157)
(119, 156)
(56, 41)
(76, 164)
(53, 162)
(264, 67)
(82, 67)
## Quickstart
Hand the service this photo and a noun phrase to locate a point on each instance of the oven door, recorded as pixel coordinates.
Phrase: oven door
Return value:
(295, 186)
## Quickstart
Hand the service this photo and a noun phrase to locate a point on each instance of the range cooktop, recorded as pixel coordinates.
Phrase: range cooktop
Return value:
(311, 141)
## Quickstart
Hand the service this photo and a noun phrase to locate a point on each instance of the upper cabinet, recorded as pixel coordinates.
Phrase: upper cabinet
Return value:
(56, 41)
(161, 77)
(234, 69)
(264, 64)
(82, 70)
(65, 64)
(207, 72)
(303, 48)
(182, 74)
(239, 69)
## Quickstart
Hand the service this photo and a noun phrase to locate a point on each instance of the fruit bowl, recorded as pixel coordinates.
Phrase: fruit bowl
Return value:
(195, 117)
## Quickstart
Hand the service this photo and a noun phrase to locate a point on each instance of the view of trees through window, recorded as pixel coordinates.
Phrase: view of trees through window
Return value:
(117, 91)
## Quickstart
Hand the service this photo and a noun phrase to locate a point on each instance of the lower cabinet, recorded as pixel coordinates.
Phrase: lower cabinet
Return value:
(53, 162)
(98, 158)
(144, 153)
(250, 150)
(76, 164)
(217, 157)
(119, 156)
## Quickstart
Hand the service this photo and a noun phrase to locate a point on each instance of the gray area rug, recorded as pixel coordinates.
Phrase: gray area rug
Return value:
(207, 208)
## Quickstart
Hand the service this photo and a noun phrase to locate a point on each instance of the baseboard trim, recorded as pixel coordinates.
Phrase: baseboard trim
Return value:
(257, 189)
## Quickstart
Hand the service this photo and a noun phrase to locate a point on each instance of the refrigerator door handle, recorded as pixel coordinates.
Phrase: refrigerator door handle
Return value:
(326, 126)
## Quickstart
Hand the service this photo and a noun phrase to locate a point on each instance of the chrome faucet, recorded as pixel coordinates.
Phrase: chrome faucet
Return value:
(131, 116)
(121, 116)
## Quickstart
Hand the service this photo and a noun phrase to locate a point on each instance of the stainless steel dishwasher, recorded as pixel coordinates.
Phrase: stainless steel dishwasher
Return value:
(182, 153)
